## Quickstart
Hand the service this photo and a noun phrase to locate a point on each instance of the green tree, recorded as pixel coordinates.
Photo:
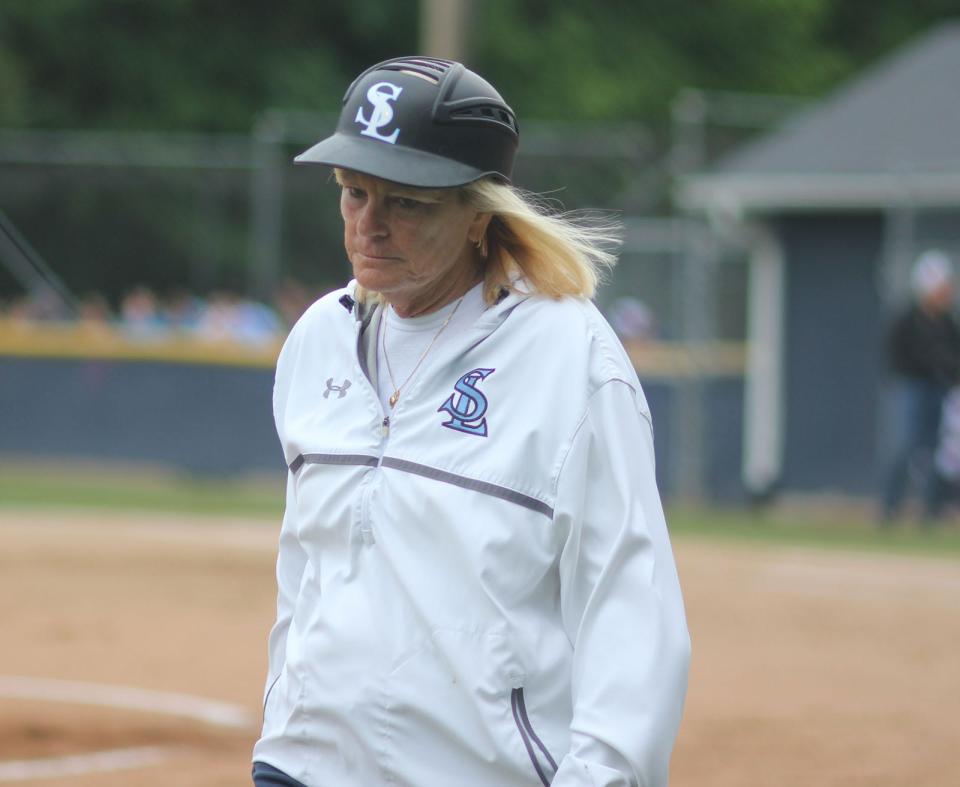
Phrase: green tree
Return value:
(628, 58)
(214, 64)
(185, 64)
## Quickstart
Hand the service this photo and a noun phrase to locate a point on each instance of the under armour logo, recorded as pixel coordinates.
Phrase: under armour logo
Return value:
(467, 406)
(340, 389)
(380, 95)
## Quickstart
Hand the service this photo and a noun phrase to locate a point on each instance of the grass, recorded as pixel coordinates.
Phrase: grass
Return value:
(797, 524)
(837, 526)
(107, 489)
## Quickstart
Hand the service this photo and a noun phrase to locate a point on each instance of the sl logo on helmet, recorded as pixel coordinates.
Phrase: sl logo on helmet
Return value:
(467, 406)
(381, 95)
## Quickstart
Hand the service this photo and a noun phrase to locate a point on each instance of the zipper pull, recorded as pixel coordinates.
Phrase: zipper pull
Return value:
(385, 426)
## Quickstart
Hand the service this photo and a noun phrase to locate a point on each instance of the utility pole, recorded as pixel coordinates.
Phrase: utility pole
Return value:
(445, 27)
(266, 208)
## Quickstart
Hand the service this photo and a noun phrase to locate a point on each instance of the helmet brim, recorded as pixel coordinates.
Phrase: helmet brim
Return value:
(395, 163)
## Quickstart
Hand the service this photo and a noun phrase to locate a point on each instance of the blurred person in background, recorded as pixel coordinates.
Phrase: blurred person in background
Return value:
(94, 316)
(632, 319)
(292, 299)
(947, 459)
(140, 315)
(924, 350)
(476, 584)
(41, 304)
(181, 311)
(227, 317)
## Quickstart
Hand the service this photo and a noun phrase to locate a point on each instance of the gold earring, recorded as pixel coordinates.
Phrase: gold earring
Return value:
(481, 245)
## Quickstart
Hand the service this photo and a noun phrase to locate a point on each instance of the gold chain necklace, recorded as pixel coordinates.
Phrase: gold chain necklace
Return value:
(383, 338)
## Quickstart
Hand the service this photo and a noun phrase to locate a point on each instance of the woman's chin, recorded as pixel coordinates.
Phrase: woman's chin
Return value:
(373, 280)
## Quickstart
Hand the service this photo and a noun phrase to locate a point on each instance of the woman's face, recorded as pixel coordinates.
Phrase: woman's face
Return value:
(417, 247)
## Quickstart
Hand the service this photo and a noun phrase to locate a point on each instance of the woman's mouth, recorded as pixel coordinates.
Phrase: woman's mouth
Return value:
(378, 257)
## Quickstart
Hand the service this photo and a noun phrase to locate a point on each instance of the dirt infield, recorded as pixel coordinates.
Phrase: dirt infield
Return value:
(810, 667)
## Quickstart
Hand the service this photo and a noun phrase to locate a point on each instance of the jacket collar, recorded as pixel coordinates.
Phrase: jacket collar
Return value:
(488, 322)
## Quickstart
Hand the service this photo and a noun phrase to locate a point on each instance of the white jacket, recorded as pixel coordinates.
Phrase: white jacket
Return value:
(479, 590)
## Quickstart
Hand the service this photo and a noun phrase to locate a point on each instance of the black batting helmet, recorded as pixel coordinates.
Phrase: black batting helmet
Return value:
(421, 122)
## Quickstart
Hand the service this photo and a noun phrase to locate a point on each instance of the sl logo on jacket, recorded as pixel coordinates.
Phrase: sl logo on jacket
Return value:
(467, 406)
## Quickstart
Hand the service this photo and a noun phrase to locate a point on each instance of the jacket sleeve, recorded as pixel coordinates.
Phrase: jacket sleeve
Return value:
(620, 601)
(291, 560)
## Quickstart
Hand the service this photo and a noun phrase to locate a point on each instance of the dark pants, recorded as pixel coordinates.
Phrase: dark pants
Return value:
(918, 405)
(267, 776)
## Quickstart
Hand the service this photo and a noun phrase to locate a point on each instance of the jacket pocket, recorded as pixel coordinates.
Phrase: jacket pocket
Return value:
(540, 757)
(283, 705)
(444, 708)
(266, 699)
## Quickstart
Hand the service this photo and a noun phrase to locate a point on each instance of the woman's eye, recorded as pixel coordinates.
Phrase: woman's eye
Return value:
(354, 192)
(406, 203)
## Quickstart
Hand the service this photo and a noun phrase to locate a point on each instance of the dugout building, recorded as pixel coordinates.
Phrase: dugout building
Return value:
(832, 208)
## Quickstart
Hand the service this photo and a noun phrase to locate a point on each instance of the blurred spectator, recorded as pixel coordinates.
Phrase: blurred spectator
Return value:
(41, 304)
(182, 311)
(223, 317)
(140, 315)
(94, 315)
(947, 458)
(632, 319)
(292, 299)
(924, 347)
(227, 317)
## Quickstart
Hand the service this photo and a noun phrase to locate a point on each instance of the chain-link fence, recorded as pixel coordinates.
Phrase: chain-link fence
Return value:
(110, 212)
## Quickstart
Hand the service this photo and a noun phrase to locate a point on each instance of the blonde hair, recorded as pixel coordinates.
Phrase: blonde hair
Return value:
(555, 253)
(552, 252)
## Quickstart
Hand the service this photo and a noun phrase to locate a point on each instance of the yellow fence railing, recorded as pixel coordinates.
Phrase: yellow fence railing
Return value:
(102, 342)
(652, 359)
(687, 359)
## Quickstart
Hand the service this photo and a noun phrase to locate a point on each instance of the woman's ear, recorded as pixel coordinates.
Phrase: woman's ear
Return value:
(478, 228)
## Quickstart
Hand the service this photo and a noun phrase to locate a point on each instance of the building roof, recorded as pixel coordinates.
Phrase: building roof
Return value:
(890, 136)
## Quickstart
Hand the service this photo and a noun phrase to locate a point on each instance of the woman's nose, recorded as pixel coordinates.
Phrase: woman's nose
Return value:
(372, 220)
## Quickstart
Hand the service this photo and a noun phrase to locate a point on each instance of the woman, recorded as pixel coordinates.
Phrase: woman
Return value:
(476, 586)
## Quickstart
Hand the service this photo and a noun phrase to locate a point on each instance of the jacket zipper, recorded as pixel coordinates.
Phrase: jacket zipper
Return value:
(531, 739)
(366, 532)
(360, 325)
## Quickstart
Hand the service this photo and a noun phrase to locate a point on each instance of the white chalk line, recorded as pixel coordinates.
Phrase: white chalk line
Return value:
(81, 764)
(220, 714)
(814, 575)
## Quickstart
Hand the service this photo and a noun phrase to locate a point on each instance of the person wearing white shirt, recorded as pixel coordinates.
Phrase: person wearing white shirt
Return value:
(475, 580)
